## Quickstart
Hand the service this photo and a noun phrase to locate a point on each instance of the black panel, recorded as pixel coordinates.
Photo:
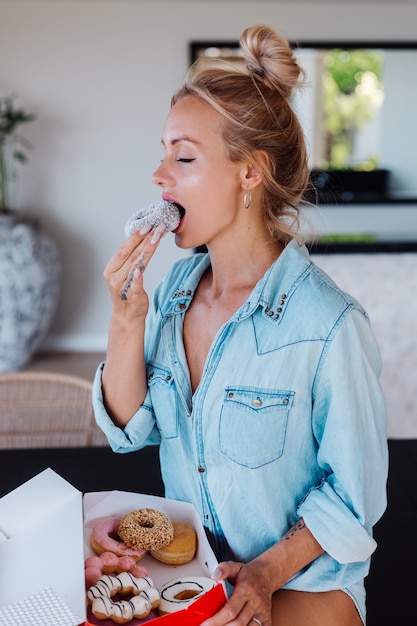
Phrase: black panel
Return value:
(87, 469)
(391, 584)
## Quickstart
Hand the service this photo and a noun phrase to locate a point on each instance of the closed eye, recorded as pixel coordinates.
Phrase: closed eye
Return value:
(183, 160)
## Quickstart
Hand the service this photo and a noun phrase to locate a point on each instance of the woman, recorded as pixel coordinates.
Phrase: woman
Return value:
(256, 375)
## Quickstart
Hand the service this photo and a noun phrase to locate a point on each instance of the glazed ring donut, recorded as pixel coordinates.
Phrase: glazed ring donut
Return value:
(146, 529)
(145, 598)
(179, 593)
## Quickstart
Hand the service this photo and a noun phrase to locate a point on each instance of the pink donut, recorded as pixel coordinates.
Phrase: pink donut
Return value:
(110, 563)
(102, 539)
(92, 575)
(94, 561)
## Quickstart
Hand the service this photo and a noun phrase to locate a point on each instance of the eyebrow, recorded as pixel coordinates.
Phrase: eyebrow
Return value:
(186, 138)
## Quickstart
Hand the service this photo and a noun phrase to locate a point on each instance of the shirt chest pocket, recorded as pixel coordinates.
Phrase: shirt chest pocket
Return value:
(253, 425)
(164, 400)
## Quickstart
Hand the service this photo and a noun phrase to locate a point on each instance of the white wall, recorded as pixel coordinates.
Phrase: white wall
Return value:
(400, 155)
(99, 76)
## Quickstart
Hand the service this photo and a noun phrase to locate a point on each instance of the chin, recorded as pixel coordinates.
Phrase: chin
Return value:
(184, 244)
(181, 243)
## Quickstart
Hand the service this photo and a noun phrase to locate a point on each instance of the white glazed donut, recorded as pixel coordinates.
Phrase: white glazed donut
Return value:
(145, 597)
(179, 593)
(120, 612)
(163, 212)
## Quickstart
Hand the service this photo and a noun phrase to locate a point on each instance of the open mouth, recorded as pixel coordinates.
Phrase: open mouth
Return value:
(182, 214)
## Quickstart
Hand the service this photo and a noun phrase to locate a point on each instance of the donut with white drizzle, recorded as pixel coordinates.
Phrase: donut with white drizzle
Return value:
(145, 597)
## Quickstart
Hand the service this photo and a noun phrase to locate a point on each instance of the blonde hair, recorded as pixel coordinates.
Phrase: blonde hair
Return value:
(254, 102)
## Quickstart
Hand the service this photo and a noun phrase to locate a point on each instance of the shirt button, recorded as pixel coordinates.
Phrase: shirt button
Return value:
(182, 306)
(257, 402)
(230, 394)
(201, 470)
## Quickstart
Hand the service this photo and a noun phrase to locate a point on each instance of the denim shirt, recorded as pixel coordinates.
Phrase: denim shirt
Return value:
(288, 420)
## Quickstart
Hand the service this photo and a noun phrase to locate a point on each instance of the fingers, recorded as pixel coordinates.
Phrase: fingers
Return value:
(231, 614)
(227, 569)
(130, 247)
(234, 614)
(127, 265)
(249, 599)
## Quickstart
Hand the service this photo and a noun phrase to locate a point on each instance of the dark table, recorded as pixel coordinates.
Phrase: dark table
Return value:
(391, 584)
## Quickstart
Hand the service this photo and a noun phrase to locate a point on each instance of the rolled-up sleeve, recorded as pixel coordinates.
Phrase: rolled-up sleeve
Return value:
(349, 423)
(138, 433)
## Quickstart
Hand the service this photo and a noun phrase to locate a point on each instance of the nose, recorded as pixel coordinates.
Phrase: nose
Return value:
(159, 177)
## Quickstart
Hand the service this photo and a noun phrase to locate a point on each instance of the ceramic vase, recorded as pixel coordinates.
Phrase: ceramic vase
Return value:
(30, 279)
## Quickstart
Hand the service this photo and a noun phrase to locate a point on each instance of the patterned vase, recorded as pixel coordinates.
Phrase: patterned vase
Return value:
(30, 278)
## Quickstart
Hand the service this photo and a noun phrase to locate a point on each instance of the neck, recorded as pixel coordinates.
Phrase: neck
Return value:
(236, 267)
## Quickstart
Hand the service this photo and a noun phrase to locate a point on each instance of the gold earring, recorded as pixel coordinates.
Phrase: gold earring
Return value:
(247, 198)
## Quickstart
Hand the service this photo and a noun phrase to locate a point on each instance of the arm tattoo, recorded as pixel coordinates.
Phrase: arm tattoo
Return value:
(138, 265)
(297, 526)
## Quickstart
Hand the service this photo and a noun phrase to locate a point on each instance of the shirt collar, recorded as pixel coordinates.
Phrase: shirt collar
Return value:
(271, 293)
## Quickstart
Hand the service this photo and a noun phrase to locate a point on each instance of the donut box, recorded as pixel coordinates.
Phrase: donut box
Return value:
(117, 503)
(45, 527)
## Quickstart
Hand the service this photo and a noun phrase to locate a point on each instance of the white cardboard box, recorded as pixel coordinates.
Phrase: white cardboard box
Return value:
(41, 535)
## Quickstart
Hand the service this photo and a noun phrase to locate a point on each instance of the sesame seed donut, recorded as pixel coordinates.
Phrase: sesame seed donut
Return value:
(146, 529)
(145, 598)
(179, 593)
(104, 535)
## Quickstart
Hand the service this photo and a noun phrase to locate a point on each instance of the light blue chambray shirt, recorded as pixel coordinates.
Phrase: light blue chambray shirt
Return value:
(288, 420)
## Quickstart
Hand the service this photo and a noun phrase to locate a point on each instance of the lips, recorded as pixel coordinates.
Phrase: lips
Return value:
(182, 214)
(180, 208)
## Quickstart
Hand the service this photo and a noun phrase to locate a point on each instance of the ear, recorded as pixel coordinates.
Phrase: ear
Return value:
(252, 174)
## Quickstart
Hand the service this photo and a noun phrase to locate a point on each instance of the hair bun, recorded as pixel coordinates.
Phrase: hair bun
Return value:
(270, 59)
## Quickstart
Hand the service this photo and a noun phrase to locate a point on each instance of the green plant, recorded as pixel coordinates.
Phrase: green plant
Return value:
(13, 147)
(353, 92)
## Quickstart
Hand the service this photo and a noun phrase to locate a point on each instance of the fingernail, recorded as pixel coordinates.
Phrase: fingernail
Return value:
(145, 229)
(158, 233)
(217, 572)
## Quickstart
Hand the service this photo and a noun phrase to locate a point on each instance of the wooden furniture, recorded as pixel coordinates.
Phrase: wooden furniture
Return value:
(47, 409)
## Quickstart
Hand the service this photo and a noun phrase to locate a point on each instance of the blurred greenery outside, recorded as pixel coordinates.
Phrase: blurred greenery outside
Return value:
(352, 94)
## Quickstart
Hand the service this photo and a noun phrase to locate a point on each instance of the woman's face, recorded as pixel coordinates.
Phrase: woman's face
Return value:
(197, 174)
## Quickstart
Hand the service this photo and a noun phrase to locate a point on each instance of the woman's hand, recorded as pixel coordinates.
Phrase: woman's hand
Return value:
(256, 581)
(124, 272)
(251, 597)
